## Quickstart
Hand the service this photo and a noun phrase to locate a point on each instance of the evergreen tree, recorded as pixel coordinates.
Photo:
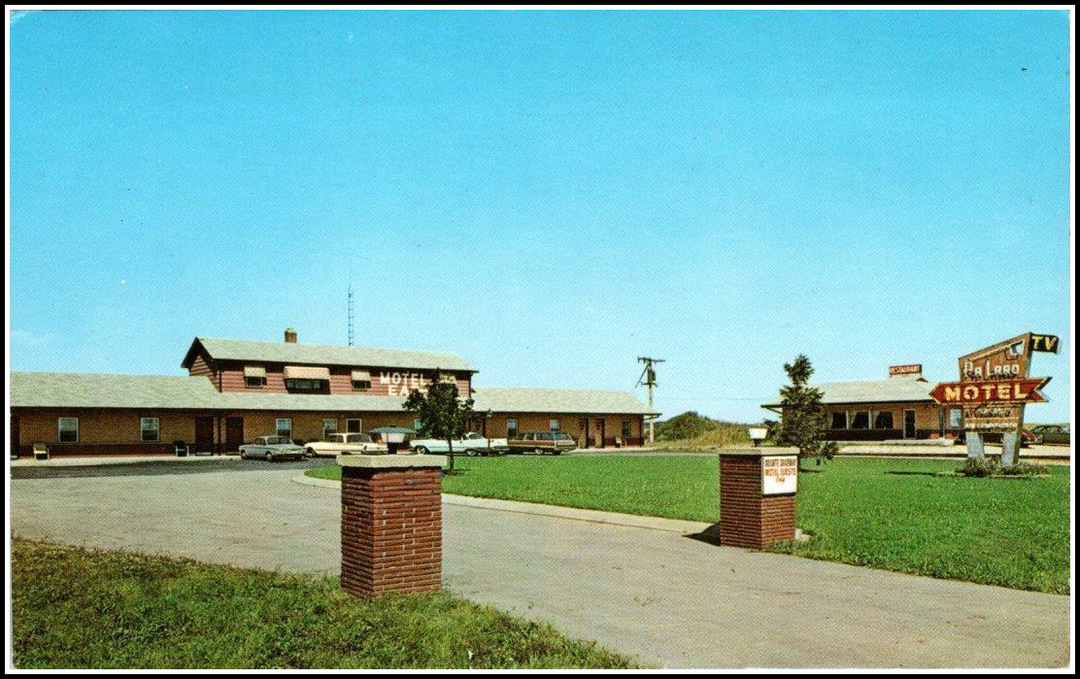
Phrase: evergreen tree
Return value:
(441, 413)
(803, 424)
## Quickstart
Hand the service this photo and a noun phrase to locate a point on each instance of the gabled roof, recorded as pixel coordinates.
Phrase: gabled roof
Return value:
(534, 400)
(324, 354)
(83, 390)
(901, 389)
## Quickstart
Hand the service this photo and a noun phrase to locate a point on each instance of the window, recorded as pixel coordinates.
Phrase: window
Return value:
(354, 425)
(956, 418)
(151, 429)
(254, 376)
(860, 419)
(283, 426)
(68, 428)
(553, 425)
(626, 429)
(304, 385)
(883, 420)
(361, 380)
(417, 425)
(329, 426)
(839, 420)
(511, 429)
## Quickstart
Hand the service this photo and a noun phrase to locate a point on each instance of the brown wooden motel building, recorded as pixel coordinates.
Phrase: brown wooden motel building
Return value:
(899, 407)
(238, 390)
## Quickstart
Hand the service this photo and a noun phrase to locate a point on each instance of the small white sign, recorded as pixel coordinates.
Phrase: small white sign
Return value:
(779, 474)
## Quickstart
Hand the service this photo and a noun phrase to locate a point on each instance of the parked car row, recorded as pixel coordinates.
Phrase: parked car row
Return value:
(272, 448)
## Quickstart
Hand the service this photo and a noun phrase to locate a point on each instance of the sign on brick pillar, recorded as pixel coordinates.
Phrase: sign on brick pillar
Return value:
(391, 523)
(757, 496)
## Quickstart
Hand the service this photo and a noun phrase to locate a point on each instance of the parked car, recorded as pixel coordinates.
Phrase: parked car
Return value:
(272, 448)
(1053, 433)
(350, 443)
(554, 442)
(472, 444)
(1029, 438)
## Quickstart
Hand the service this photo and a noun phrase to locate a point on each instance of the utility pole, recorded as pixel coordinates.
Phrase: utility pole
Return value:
(350, 316)
(648, 378)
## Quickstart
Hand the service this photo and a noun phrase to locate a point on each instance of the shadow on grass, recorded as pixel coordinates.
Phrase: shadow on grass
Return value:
(912, 473)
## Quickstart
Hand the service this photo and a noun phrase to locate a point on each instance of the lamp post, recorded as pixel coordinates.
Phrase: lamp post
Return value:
(758, 434)
(487, 428)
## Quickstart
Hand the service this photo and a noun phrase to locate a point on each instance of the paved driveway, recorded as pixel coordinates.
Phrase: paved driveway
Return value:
(669, 600)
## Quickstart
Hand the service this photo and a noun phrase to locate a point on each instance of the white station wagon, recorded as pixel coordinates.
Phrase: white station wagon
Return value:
(353, 443)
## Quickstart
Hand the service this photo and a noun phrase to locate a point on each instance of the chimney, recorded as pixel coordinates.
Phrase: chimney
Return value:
(290, 335)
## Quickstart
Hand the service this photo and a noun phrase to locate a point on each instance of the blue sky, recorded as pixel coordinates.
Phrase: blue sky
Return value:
(550, 195)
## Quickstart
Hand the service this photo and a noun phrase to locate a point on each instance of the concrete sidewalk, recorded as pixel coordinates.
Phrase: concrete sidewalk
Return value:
(667, 599)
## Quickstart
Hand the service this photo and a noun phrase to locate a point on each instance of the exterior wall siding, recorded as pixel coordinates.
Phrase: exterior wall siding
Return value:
(384, 381)
(927, 421)
(103, 431)
(571, 423)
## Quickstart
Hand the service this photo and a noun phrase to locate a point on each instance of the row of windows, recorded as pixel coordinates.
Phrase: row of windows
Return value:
(68, 429)
(881, 419)
(150, 427)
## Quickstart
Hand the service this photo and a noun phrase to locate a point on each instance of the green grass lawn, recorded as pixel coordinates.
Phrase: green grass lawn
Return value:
(884, 513)
(78, 608)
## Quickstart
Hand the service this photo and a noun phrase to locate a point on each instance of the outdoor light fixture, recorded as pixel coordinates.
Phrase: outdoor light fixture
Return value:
(758, 434)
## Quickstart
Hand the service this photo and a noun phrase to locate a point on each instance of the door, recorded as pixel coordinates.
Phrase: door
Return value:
(600, 433)
(909, 424)
(16, 446)
(204, 435)
(234, 434)
(583, 424)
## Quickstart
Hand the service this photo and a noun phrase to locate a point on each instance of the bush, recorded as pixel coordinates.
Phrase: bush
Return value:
(991, 467)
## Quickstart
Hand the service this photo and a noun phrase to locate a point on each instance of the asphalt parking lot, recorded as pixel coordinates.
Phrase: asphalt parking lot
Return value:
(669, 600)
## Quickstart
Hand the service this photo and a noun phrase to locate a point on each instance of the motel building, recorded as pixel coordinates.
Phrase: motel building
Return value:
(898, 407)
(236, 391)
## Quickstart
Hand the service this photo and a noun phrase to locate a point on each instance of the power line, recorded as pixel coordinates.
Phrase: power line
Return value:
(648, 378)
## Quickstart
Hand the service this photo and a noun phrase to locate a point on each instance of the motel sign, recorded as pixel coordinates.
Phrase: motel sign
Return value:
(994, 386)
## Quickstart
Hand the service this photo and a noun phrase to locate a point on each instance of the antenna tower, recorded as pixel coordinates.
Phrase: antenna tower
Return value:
(350, 316)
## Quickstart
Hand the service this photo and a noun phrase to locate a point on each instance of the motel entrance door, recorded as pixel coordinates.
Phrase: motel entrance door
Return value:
(599, 431)
(204, 435)
(234, 434)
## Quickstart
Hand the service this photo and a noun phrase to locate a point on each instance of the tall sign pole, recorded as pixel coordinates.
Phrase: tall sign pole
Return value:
(994, 386)
(648, 378)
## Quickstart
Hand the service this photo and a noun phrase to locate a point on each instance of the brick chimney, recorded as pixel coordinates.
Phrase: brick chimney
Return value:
(290, 335)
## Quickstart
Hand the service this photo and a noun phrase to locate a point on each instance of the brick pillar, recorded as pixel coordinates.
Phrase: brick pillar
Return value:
(391, 523)
(757, 496)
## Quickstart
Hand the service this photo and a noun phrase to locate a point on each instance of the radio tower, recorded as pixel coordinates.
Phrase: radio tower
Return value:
(350, 316)
(648, 378)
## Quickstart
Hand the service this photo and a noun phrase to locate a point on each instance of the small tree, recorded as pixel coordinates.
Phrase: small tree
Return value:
(803, 424)
(441, 413)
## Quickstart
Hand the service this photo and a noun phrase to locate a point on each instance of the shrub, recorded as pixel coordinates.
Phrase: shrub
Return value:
(990, 467)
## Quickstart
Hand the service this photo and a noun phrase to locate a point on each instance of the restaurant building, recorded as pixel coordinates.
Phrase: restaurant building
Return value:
(899, 407)
(238, 390)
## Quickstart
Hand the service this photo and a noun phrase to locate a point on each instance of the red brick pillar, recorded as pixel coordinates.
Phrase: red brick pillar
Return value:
(757, 496)
(391, 523)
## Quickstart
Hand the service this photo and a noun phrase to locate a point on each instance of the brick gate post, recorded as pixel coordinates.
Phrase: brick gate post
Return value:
(391, 523)
(757, 496)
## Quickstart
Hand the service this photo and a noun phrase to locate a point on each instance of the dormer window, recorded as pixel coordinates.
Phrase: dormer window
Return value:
(254, 376)
(361, 380)
(306, 379)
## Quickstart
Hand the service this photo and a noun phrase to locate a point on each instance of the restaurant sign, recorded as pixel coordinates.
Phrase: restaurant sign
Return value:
(915, 369)
(779, 474)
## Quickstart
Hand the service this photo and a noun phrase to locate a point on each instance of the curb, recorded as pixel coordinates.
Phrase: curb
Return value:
(573, 513)
(119, 461)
